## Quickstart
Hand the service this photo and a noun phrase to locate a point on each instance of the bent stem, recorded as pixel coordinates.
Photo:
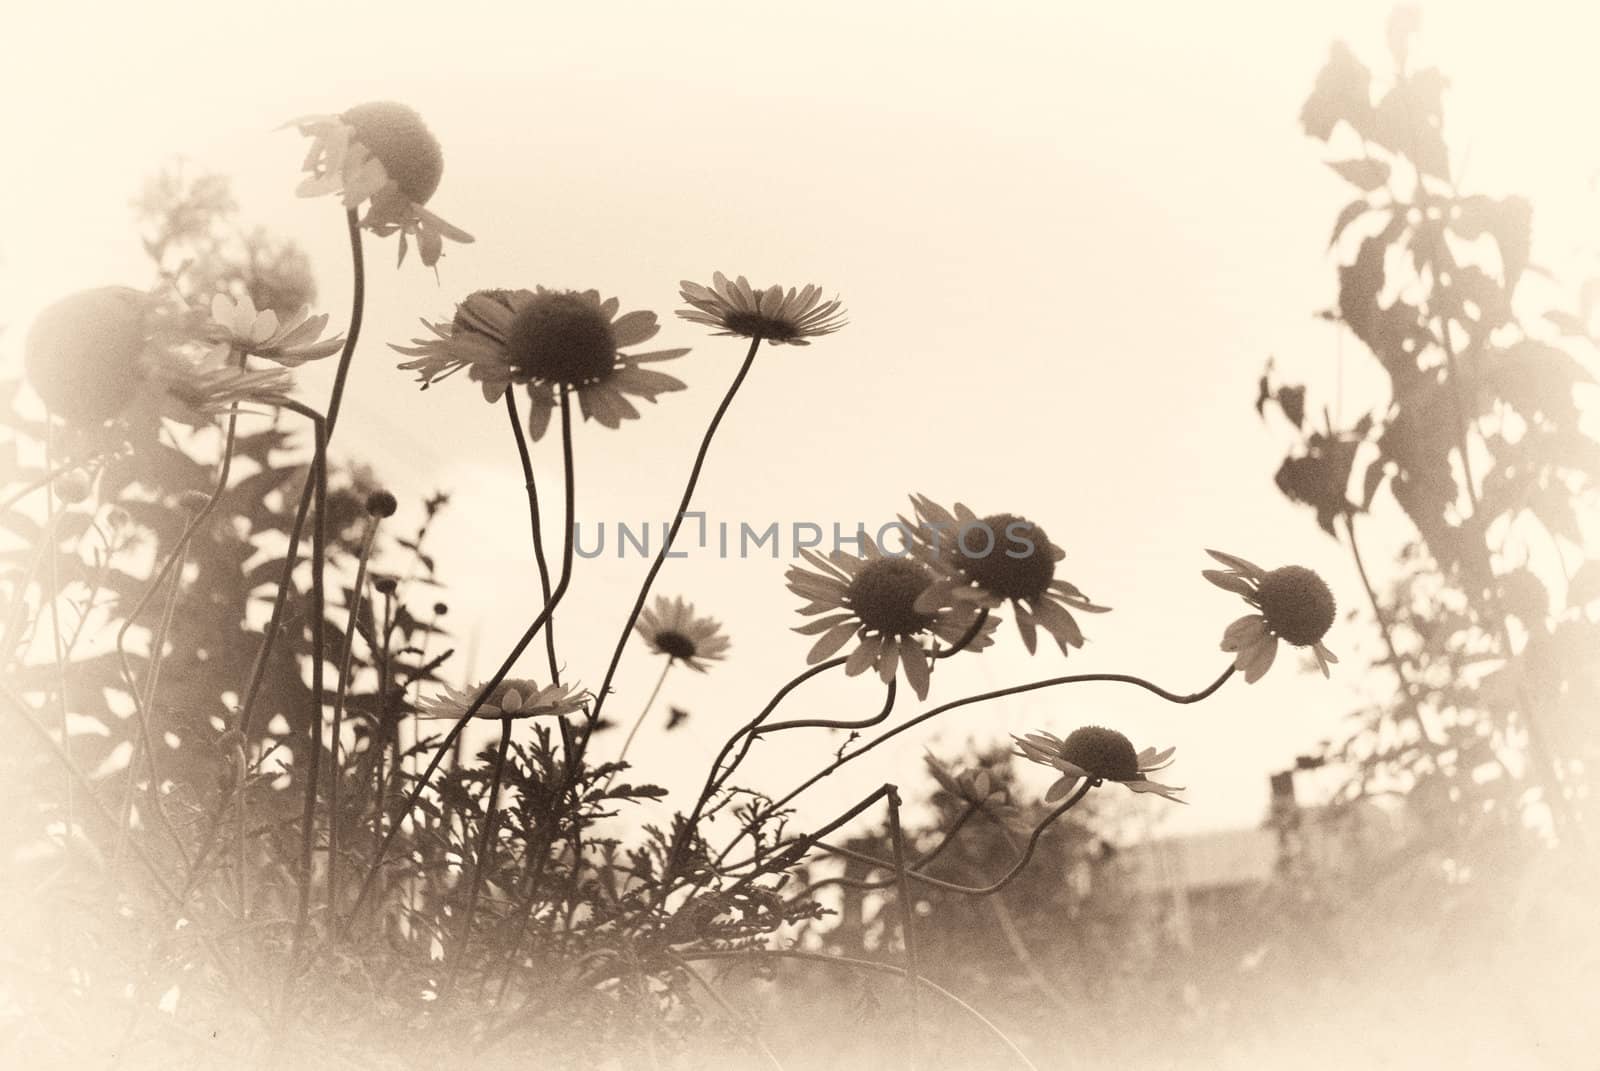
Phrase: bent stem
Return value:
(494, 682)
(538, 530)
(485, 847)
(357, 600)
(982, 697)
(672, 534)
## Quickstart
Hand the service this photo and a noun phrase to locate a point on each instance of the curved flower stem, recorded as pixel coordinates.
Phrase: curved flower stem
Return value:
(538, 530)
(740, 1021)
(979, 890)
(717, 776)
(291, 554)
(648, 703)
(319, 555)
(982, 697)
(825, 723)
(672, 533)
(796, 850)
(935, 852)
(357, 599)
(491, 812)
(908, 925)
(865, 965)
(488, 689)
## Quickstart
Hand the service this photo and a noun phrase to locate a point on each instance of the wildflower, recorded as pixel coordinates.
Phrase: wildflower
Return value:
(1099, 755)
(873, 599)
(513, 698)
(976, 787)
(545, 340)
(1294, 603)
(672, 629)
(774, 315)
(84, 354)
(236, 325)
(985, 562)
(380, 154)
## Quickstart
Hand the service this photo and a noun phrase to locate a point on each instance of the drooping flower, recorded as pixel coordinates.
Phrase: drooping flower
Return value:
(988, 561)
(672, 629)
(84, 355)
(774, 315)
(514, 697)
(382, 155)
(545, 340)
(873, 600)
(1294, 605)
(197, 391)
(1099, 755)
(236, 325)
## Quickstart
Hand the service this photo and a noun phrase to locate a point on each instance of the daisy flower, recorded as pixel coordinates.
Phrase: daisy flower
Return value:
(774, 315)
(987, 561)
(516, 697)
(237, 325)
(544, 340)
(1099, 755)
(873, 600)
(198, 391)
(380, 154)
(1294, 605)
(672, 629)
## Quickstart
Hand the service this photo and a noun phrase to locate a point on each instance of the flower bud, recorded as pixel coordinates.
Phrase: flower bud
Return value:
(381, 504)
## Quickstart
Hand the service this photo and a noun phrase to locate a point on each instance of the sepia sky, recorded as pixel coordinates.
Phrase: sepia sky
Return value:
(1068, 236)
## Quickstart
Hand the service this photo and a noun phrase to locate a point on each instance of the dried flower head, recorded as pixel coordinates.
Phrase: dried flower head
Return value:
(380, 154)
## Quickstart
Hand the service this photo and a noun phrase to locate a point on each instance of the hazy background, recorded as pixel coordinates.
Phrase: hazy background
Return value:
(1068, 237)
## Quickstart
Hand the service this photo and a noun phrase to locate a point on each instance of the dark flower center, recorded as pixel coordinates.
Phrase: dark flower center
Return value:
(396, 136)
(752, 324)
(884, 595)
(82, 353)
(1008, 556)
(675, 644)
(1103, 753)
(561, 338)
(470, 318)
(1297, 605)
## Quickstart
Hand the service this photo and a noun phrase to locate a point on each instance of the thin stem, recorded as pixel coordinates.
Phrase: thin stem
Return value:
(982, 697)
(908, 928)
(922, 861)
(865, 965)
(1407, 688)
(827, 723)
(488, 688)
(994, 887)
(648, 703)
(491, 806)
(538, 530)
(319, 554)
(672, 534)
(357, 600)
